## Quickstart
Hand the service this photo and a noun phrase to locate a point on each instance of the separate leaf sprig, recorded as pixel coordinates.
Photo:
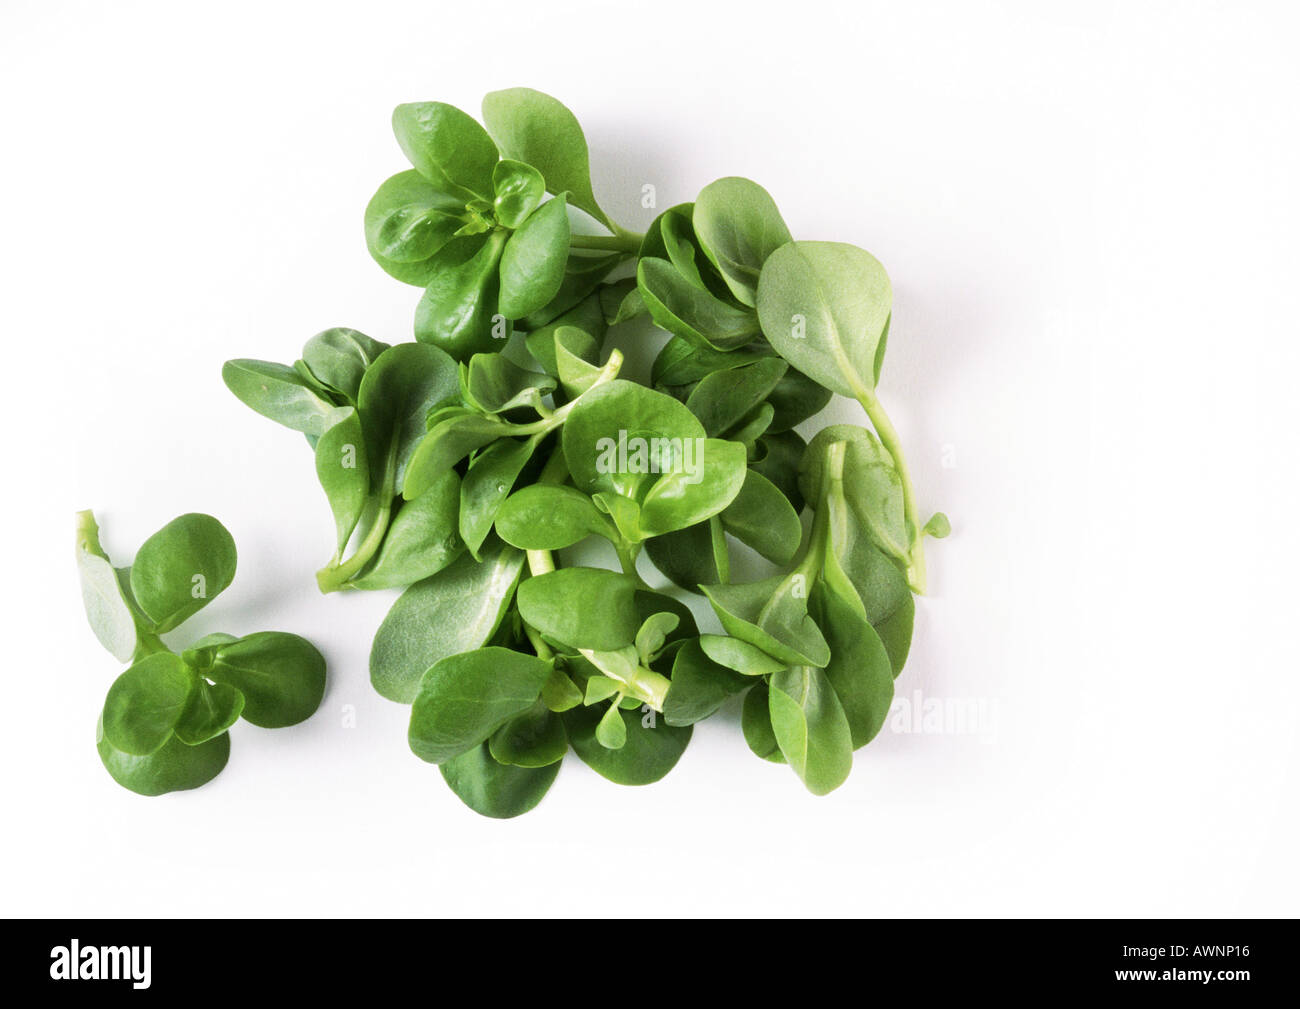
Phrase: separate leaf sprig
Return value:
(165, 721)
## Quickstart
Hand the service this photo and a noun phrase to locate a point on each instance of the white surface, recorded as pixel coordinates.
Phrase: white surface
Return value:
(1089, 213)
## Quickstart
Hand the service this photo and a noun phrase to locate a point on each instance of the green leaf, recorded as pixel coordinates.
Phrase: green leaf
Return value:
(343, 469)
(494, 383)
(532, 264)
(938, 526)
(534, 738)
(145, 703)
(396, 395)
(534, 128)
(739, 227)
(762, 518)
(685, 557)
(575, 360)
(652, 747)
(281, 676)
(585, 317)
(653, 634)
(756, 723)
(338, 359)
(611, 730)
(447, 147)
(560, 693)
(493, 789)
(174, 767)
(457, 610)
(859, 670)
(182, 566)
(406, 222)
(741, 656)
(421, 539)
(457, 312)
(519, 189)
(778, 459)
(448, 442)
(824, 306)
(582, 607)
(683, 363)
(280, 393)
(550, 517)
(772, 615)
(489, 479)
(795, 398)
(101, 593)
(583, 274)
(722, 399)
(699, 686)
(810, 727)
(212, 709)
(463, 699)
(708, 480)
(619, 431)
(686, 311)
(600, 688)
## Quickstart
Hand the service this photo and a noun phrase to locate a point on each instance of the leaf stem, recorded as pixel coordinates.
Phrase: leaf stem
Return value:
(623, 241)
(540, 562)
(889, 438)
(335, 576)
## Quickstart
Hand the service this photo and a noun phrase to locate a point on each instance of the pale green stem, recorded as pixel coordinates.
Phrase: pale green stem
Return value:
(540, 562)
(889, 438)
(335, 576)
(623, 241)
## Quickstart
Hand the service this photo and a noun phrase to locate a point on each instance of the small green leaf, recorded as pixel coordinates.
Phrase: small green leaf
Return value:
(421, 539)
(280, 393)
(534, 738)
(180, 568)
(101, 592)
(343, 469)
(582, 607)
(532, 264)
(447, 147)
(281, 676)
(824, 307)
(810, 727)
(611, 730)
(653, 633)
(739, 227)
(739, 655)
(756, 723)
(338, 359)
(686, 311)
(145, 703)
(212, 709)
(519, 189)
(456, 610)
(699, 686)
(465, 698)
(493, 789)
(550, 517)
(535, 128)
(651, 750)
(174, 767)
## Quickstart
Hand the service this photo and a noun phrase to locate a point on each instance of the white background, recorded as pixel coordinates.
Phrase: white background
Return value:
(1089, 212)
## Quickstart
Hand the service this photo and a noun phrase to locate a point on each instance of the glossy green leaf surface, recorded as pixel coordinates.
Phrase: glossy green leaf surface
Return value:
(181, 567)
(463, 699)
(456, 610)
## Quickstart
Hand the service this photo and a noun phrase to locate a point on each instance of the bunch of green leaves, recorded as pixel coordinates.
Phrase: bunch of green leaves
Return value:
(165, 721)
(362, 405)
(506, 436)
(470, 222)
